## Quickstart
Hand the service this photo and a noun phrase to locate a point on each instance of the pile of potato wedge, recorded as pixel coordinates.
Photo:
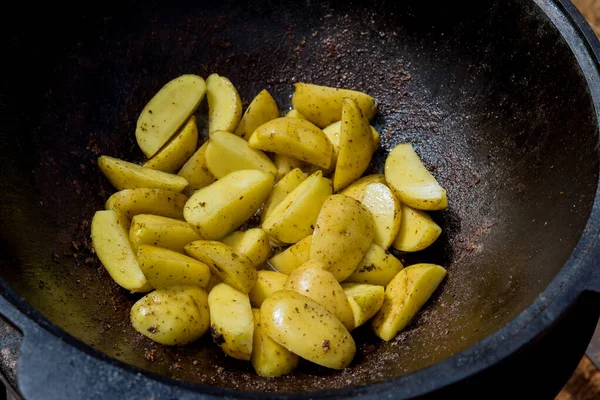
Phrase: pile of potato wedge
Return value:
(314, 265)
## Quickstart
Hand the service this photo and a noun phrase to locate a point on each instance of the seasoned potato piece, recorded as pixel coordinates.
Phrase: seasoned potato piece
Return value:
(292, 257)
(132, 202)
(164, 267)
(417, 231)
(262, 109)
(176, 152)
(111, 243)
(268, 282)
(333, 134)
(284, 187)
(356, 145)
(293, 137)
(125, 175)
(231, 321)
(377, 267)
(268, 357)
(386, 212)
(233, 268)
(172, 316)
(195, 170)
(364, 299)
(293, 219)
(295, 114)
(404, 296)
(343, 234)
(167, 111)
(224, 104)
(220, 208)
(411, 181)
(160, 231)
(253, 243)
(311, 280)
(227, 152)
(285, 165)
(307, 329)
(212, 282)
(322, 105)
(357, 189)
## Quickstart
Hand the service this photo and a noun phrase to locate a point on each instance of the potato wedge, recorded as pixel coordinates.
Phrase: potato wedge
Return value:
(364, 299)
(176, 152)
(167, 111)
(322, 105)
(293, 219)
(356, 146)
(158, 231)
(172, 316)
(224, 104)
(231, 321)
(404, 296)
(311, 280)
(220, 208)
(269, 358)
(292, 257)
(411, 181)
(196, 172)
(293, 113)
(267, 283)
(293, 137)
(307, 329)
(284, 187)
(386, 212)
(343, 234)
(227, 152)
(111, 243)
(285, 165)
(357, 189)
(333, 134)
(252, 243)
(378, 267)
(262, 108)
(125, 175)
(164, 268)
(233, 268)
(417, 231)
(132, 202)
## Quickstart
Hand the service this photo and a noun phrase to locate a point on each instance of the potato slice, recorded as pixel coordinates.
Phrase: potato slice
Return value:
(227, 152)
(356, 145)
(220, 208)
(285, 165)
(364, 299)
(322, 105)
(231, 321)
(417, 231)
(262, 109)
(268, 357)
(292, 257)
(404, 296)
(386, 212)
(377, 267)
(232, 267)
(172, 316)
(411, 181)
(293, 113)
(195, 170)
(293, 137)
(293, 219)
(311, 280)
(176, 152)
(307, 329)
(343, 234)
(132, 202)
(164, 267)
(224, 104)
(267, 283)
(357, 189)
(253, 243)
(111, 243)
(125, 175)
(333, 134)
(167, 111)
(284, 187)
(160, 231)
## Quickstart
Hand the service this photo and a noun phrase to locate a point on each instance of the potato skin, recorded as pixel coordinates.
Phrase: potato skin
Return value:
(176, 152)
(125, 175)
(378, 267)
(269, 358)
(262, 109)
(132, 202)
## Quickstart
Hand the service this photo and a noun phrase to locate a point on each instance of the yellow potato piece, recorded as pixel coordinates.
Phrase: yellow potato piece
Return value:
(252, 243)
(311, 280)
(132, 202)
(172, 316)
(224, 104)
(333, 134)
(220, 208)
(227, 152)
(111, 243)
(404, 296)
(195, 170)
(268, 357)
(356, 145)
(167, 111)
(411, 181)
(293, 219)
(267, 283)
(322, 105)
(307, 329)
(343, 234)
(175, 153)
(231, 321)
(377, 267)
(164, 267)
(160, 231)
(125, 175)
(364, 299)
(292, 257)
(285, 165)
(357, 189)
(293, 137)
(386, 212)
(417, 231)
(284, 187)
(233, 268)
(262, 109)
(293, 113)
